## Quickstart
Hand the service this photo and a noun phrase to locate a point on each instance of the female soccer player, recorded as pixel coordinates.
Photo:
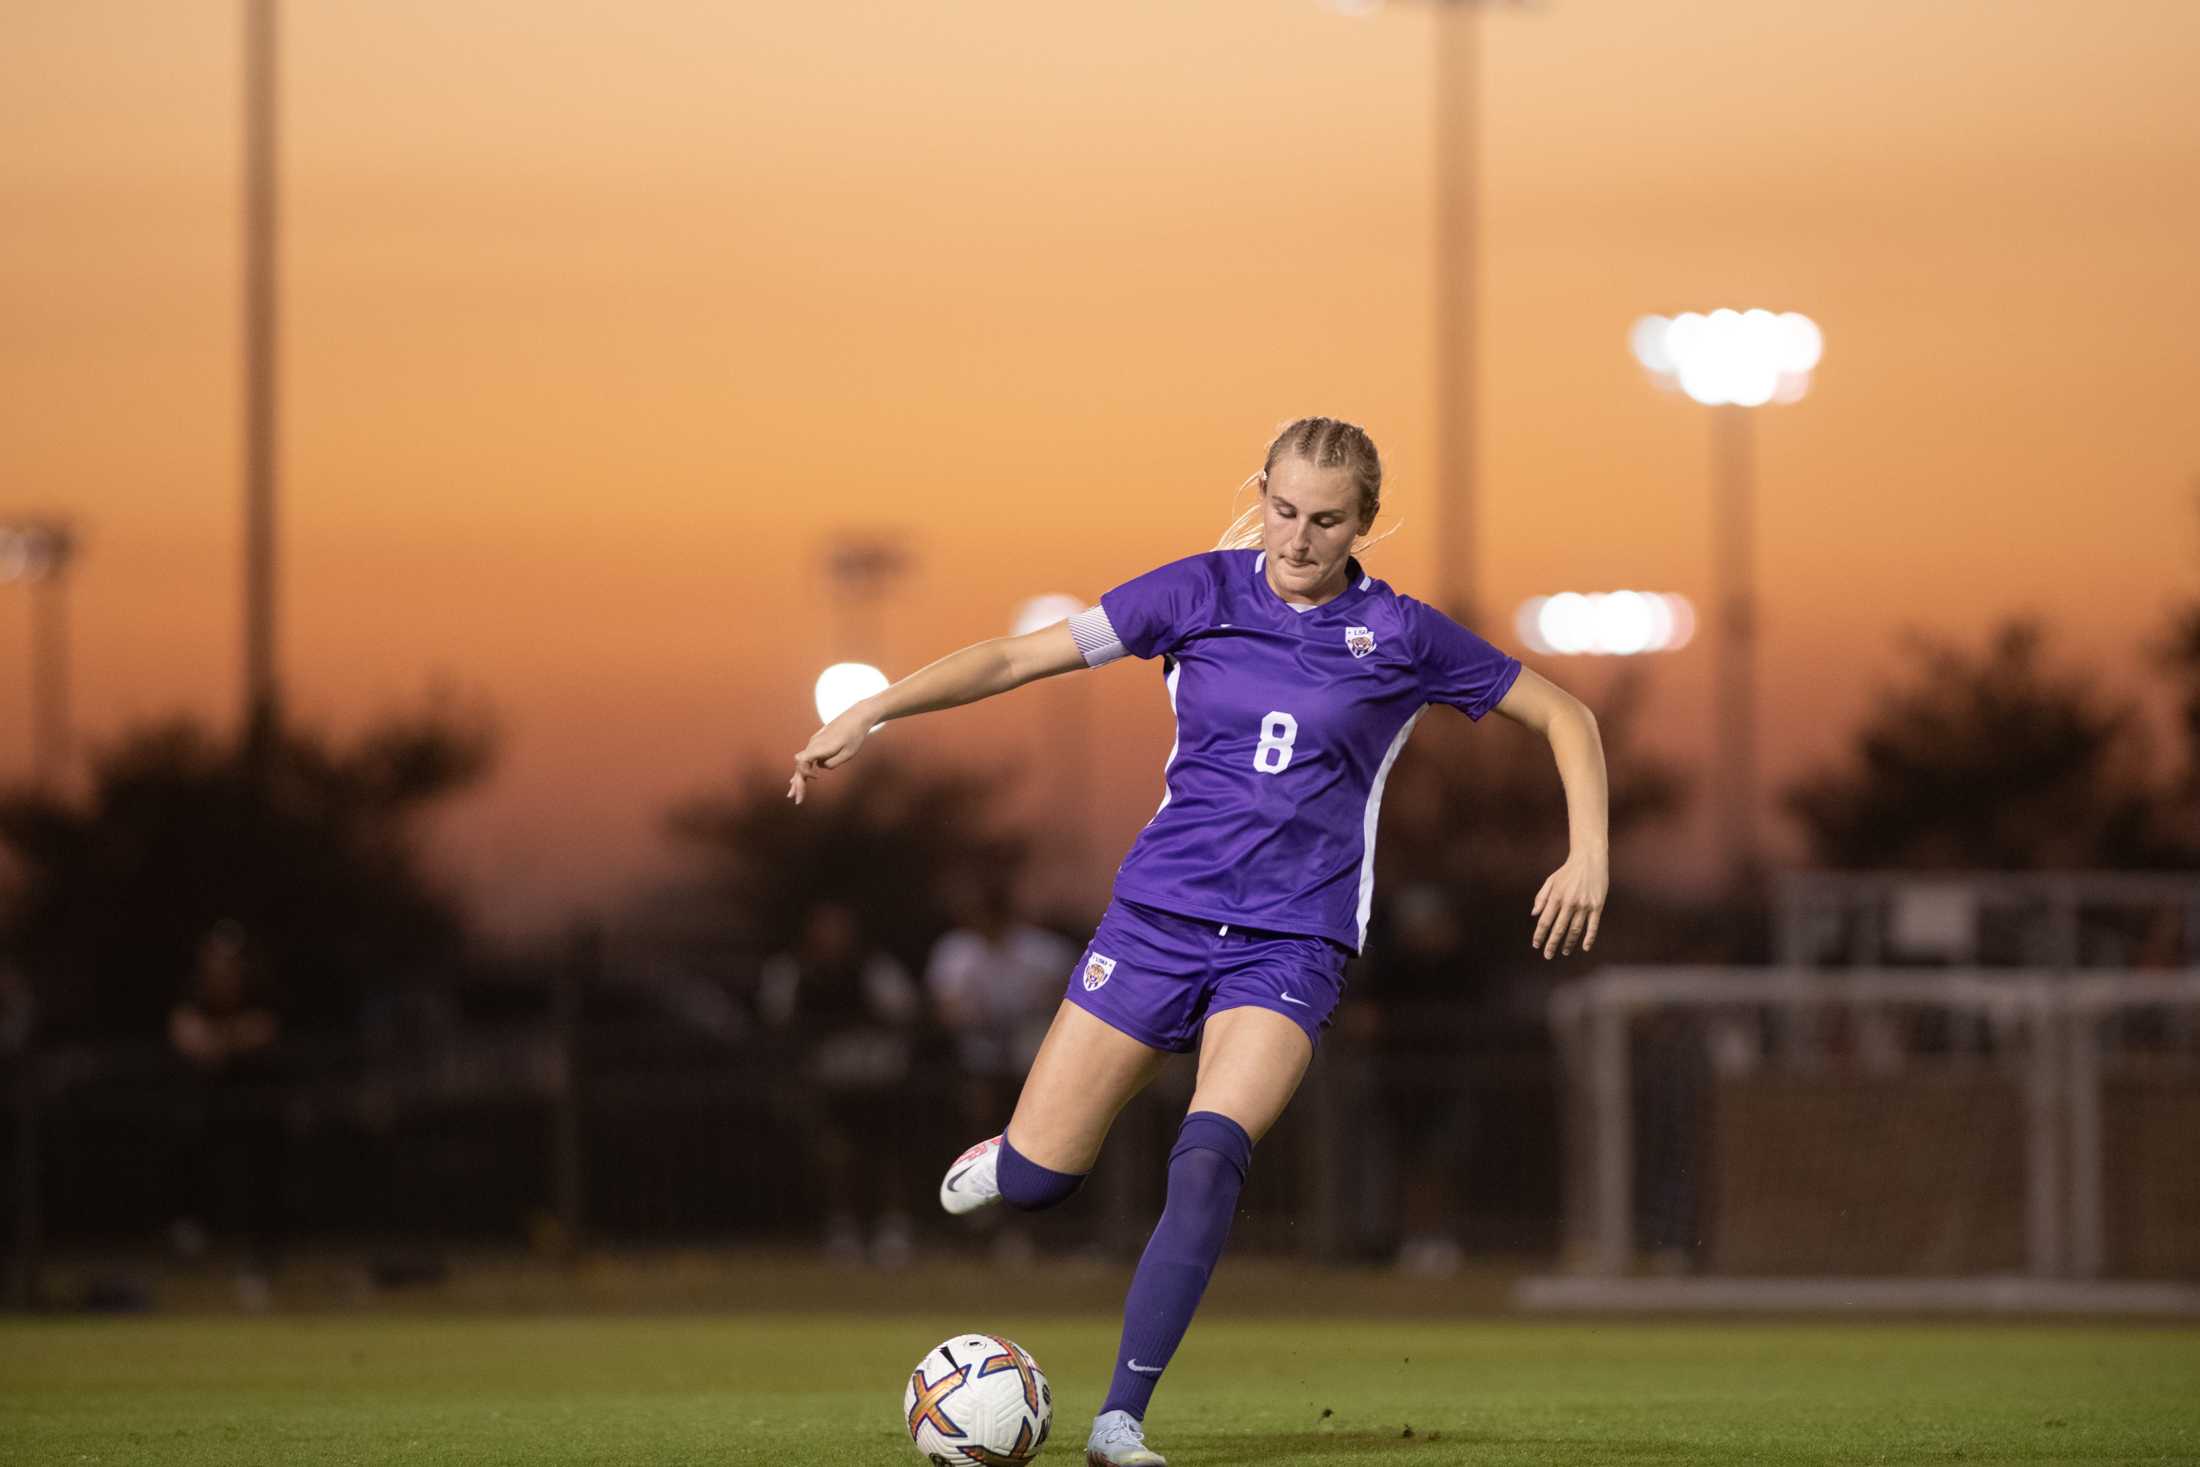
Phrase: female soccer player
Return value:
(1295, 678)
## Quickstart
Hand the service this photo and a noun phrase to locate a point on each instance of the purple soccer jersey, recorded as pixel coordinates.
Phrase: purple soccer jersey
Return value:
(1287, 725)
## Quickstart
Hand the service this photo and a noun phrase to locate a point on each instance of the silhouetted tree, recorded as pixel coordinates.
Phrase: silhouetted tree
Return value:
(882, 835)
(1996, 761)
(310, 848)
(1480, 811)
(2179, 655)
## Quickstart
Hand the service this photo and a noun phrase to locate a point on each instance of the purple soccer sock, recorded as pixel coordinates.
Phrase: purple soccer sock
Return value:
(1206, 1172)
(1029, 1187)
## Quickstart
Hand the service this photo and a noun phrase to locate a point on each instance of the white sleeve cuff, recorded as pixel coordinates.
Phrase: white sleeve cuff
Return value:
(1095, 636)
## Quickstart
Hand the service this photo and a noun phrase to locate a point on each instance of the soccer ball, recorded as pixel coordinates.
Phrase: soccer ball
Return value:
(978, 1401)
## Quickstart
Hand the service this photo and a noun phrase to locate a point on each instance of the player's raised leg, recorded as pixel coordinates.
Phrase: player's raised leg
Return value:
(1085, 1072)
(1250, 1063)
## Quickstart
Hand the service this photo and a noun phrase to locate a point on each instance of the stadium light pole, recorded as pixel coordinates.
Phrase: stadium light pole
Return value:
(1458, 150)
(862, 570)
(262, 696)
(37, 552)
(1733, 362)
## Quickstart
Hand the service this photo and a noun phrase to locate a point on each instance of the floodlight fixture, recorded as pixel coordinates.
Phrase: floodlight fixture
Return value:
(37, 553)
(1744, 358)
(845, 684)
(33, 551)
(1605, 623)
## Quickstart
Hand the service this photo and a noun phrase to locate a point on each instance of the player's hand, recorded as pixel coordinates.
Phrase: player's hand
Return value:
(830, 747)
(1571, 904)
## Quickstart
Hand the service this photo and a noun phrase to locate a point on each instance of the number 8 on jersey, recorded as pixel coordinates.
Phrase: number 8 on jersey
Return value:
(1278, 732)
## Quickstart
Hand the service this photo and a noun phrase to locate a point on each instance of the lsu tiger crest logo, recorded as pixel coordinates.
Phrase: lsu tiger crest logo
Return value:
(1359, 640)
(1097, 970)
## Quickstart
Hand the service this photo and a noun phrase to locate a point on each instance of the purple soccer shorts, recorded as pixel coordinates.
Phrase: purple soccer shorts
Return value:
(1156, 975)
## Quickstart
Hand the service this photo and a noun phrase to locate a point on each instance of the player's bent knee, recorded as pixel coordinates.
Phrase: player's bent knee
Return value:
(1210, 1133)
(1207, 1169)
(1030, 1187)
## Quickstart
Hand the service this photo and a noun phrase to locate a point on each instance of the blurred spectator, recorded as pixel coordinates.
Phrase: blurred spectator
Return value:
(995, 981)
(849, 1013)
(227, 1033)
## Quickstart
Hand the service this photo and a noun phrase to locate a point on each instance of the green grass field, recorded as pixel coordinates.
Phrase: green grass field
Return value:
(1276, 1391)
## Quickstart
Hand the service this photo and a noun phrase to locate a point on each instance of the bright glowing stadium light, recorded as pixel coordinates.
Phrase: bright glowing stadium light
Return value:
(1624, 623)
(1746, 358)
(1045, 611)
(845, 684)
(1528, 622)
(1683, 612)
(1605, 623)
(1647, 338)
(1801, 341)
(1567, 623)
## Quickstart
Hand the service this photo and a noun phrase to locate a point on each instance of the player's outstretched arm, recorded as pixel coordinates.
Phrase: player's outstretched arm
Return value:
(1571, 903)
(977, 671)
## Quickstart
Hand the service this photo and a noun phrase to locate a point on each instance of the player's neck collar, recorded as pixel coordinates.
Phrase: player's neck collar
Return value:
(1357, 583)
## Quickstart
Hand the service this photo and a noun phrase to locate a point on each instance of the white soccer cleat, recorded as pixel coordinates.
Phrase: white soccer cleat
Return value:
(1118, 1440)
(974, 1179)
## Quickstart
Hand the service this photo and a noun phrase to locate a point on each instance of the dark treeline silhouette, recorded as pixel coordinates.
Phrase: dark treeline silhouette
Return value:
(2181, 658)
(886, 837)
(1998, 757)
(309, 846)
(1478, 813)
(2178, 654)
(1998, 760)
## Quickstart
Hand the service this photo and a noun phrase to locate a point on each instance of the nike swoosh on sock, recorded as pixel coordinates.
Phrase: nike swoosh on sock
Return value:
(1146, 1369)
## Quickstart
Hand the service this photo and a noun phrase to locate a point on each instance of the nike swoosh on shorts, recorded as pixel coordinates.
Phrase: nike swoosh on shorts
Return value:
(1287, 998)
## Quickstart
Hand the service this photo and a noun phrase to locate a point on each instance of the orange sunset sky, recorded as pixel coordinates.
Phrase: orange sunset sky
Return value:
(602, 320)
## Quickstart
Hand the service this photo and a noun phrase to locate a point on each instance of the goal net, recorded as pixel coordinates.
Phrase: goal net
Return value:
(1968, 1137)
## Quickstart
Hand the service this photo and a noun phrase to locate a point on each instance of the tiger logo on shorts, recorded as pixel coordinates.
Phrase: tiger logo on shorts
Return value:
(1097, 970)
